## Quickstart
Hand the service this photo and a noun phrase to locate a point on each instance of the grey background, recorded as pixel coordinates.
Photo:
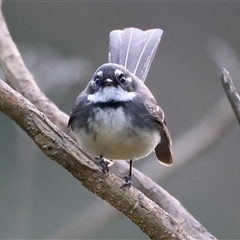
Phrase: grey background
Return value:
(63, 43)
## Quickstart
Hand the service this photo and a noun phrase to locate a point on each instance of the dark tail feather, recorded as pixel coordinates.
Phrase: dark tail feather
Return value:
(134, 49)
(164, 154)
(163, 149)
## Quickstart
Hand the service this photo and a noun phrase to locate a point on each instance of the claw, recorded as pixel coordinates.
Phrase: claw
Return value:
(128, 183)
(103, 164)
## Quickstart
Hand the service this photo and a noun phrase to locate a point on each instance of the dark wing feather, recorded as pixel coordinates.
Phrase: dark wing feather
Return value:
(163, 149)
(72, 116)
(134, 49)
(80, 111)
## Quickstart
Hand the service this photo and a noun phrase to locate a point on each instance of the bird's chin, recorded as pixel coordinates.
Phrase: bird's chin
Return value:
(111, 93)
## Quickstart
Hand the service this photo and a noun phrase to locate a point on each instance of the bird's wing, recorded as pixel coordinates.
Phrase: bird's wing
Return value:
(163, 149)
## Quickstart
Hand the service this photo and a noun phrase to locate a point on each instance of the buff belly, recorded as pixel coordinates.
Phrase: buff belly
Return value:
(112, 136)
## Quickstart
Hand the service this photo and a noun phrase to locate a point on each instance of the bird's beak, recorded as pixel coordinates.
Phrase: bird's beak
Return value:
(108, 82)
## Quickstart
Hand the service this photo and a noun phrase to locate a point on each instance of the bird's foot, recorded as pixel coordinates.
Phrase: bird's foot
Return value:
(128, 183)
(104, 165)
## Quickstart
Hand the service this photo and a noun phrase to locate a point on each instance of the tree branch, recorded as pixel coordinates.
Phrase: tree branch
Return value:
(231, 93)
(20, 79)
(151, 219)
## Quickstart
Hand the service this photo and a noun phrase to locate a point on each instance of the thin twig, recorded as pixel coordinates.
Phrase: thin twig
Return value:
(231, 93)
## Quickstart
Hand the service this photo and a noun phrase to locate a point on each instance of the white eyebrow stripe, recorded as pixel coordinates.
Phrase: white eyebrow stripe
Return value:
(100, 73)
(118, 72)
(129, 79)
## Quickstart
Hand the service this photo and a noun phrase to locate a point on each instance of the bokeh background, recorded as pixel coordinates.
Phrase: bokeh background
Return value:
(62, 43)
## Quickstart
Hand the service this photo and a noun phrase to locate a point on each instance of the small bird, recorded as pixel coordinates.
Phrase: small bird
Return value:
(116, 117)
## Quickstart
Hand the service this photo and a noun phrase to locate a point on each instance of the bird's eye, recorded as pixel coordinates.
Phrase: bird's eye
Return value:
(98, 78)
(122, 79)
(97, 81)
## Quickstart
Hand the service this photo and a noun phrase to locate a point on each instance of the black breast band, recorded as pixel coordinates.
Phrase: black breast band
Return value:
(110, 104)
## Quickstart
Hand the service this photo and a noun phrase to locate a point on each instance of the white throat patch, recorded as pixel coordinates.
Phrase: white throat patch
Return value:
(111, 93)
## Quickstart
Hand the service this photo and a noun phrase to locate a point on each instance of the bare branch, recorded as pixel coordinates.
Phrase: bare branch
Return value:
(19, 78)
(151, 219)
(231, 93)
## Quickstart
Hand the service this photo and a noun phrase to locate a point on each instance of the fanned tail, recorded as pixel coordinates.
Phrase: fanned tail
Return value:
(134, 49)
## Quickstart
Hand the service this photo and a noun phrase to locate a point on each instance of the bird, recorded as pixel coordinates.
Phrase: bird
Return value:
(116, 117)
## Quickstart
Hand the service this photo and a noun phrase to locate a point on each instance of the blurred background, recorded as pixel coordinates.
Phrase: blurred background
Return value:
(62, 44)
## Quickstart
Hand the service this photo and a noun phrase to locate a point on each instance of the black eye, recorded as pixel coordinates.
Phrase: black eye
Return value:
(98, 79)
(122, 79)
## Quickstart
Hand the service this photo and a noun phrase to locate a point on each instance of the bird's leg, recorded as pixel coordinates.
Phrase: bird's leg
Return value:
(128, 179)
(102, 163)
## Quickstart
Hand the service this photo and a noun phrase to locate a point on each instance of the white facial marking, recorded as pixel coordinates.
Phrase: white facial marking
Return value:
(118, 72)
(129, 79)
(100, 73)
(110, 93)
(92, 83)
